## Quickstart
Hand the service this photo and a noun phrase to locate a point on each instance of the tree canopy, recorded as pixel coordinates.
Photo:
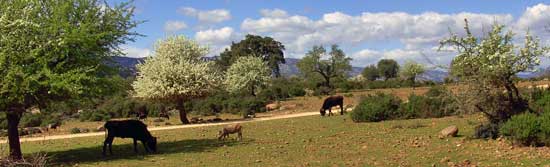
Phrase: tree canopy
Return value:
(371, 73)
(176, 72)
(411, 70)
(56, 50)
(247, 73)
(266, 48)
(318, 64)
(388, 68)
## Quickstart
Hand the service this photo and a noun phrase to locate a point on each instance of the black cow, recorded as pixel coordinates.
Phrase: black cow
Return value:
(129, 129)
(330, 102)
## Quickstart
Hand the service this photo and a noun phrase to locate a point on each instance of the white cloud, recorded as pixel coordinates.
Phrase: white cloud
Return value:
(136, 52)
(274, 13)
(216, 39)
(417, 33)
(206, 16)
(173, 26)
(535, 19)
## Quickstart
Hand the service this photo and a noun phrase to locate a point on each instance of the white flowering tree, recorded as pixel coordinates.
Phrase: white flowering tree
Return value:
(488, 66)
(175, 73)
(247, 74)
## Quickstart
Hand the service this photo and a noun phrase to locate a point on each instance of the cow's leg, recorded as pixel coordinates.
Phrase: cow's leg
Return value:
(108, 141)
(341, 109)
(135, 146)
(145, 146)
(330, 111)
(240, 135)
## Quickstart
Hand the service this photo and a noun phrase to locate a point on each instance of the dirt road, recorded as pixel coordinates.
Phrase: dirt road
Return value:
(54, 137)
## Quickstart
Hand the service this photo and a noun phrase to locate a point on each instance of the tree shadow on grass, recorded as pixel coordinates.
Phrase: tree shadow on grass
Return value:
(126, 151)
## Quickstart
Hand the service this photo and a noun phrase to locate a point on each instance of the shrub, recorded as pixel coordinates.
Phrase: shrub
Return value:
(75, 130)
(523, 128)
(31, 120)
(97, 115)
(375, 108)
(426, 107)
(544, 135)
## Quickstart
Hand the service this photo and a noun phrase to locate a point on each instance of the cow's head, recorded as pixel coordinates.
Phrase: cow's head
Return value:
(322, 111)
(152, 144)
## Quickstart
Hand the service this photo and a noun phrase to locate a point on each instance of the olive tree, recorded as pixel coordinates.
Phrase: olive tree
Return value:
(176, 72)
(488, 65)
(411, 70)
(247, 74)
(317, 64)
(388, 68)
(53, 51)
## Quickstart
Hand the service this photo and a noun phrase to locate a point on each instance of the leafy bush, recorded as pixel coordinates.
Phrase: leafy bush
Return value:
(523, 128)
(375, 108)
(544, 134)
(35, 120)
(75, 130)
(98, 115)
(427, 107)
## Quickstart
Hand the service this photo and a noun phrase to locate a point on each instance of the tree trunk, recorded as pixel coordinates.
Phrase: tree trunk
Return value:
(183, 113)
(13, 134)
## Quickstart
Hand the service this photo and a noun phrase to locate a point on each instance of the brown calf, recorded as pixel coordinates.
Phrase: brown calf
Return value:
(230, 129)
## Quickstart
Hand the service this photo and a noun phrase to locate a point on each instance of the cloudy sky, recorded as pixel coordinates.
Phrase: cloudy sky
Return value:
(366, 30)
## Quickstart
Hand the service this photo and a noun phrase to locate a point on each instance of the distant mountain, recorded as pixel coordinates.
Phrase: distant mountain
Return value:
(128, 66)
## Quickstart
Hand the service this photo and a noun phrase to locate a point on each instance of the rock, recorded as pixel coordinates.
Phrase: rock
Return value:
(258, 161)
(100, 128)
(449, 131)
(272, 106)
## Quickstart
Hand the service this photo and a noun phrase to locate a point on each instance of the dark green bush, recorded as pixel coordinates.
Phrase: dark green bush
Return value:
(97, 115)
(374, 108)
(544, 135)
(427, 107)
(523, 128)
(75, 130)
(31, 120)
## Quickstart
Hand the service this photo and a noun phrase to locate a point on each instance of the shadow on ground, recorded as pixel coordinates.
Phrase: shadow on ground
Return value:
(125, 151)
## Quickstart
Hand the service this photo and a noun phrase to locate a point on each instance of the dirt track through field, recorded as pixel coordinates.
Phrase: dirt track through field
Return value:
(267, 118)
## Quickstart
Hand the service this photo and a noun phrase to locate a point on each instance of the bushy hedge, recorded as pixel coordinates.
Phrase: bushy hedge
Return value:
(374, 108)
(435, 104)
(528, 129)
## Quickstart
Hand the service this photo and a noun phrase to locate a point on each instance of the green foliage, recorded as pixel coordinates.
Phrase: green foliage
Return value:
(487, 131)
(523, 128)
(55, 50)
(374, 108)
(266, 48)
(248, 74)
(371, 73)
(75, 131)
(320, 68)
(388, 68)
(98, 115)
(283, 88)
(425, 107)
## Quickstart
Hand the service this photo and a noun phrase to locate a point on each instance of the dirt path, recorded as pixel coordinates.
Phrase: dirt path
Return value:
(54, 137)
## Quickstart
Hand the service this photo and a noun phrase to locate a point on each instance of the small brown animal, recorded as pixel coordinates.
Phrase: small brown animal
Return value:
(231, 129)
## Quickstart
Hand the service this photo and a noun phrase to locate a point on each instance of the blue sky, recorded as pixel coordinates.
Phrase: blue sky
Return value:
(366, 30)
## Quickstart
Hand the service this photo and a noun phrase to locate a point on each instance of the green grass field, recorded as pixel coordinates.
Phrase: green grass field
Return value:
(305, 141)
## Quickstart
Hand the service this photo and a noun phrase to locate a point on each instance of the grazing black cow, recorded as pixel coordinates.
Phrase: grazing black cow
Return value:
(129, 129)
(331, 102)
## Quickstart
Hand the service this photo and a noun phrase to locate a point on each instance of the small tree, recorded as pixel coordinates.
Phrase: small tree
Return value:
(488, 67)
(54, 51)
(371, 73)
(175, 73)
(411, 70)
(317, 64)
(247, 73)
(388, 68)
